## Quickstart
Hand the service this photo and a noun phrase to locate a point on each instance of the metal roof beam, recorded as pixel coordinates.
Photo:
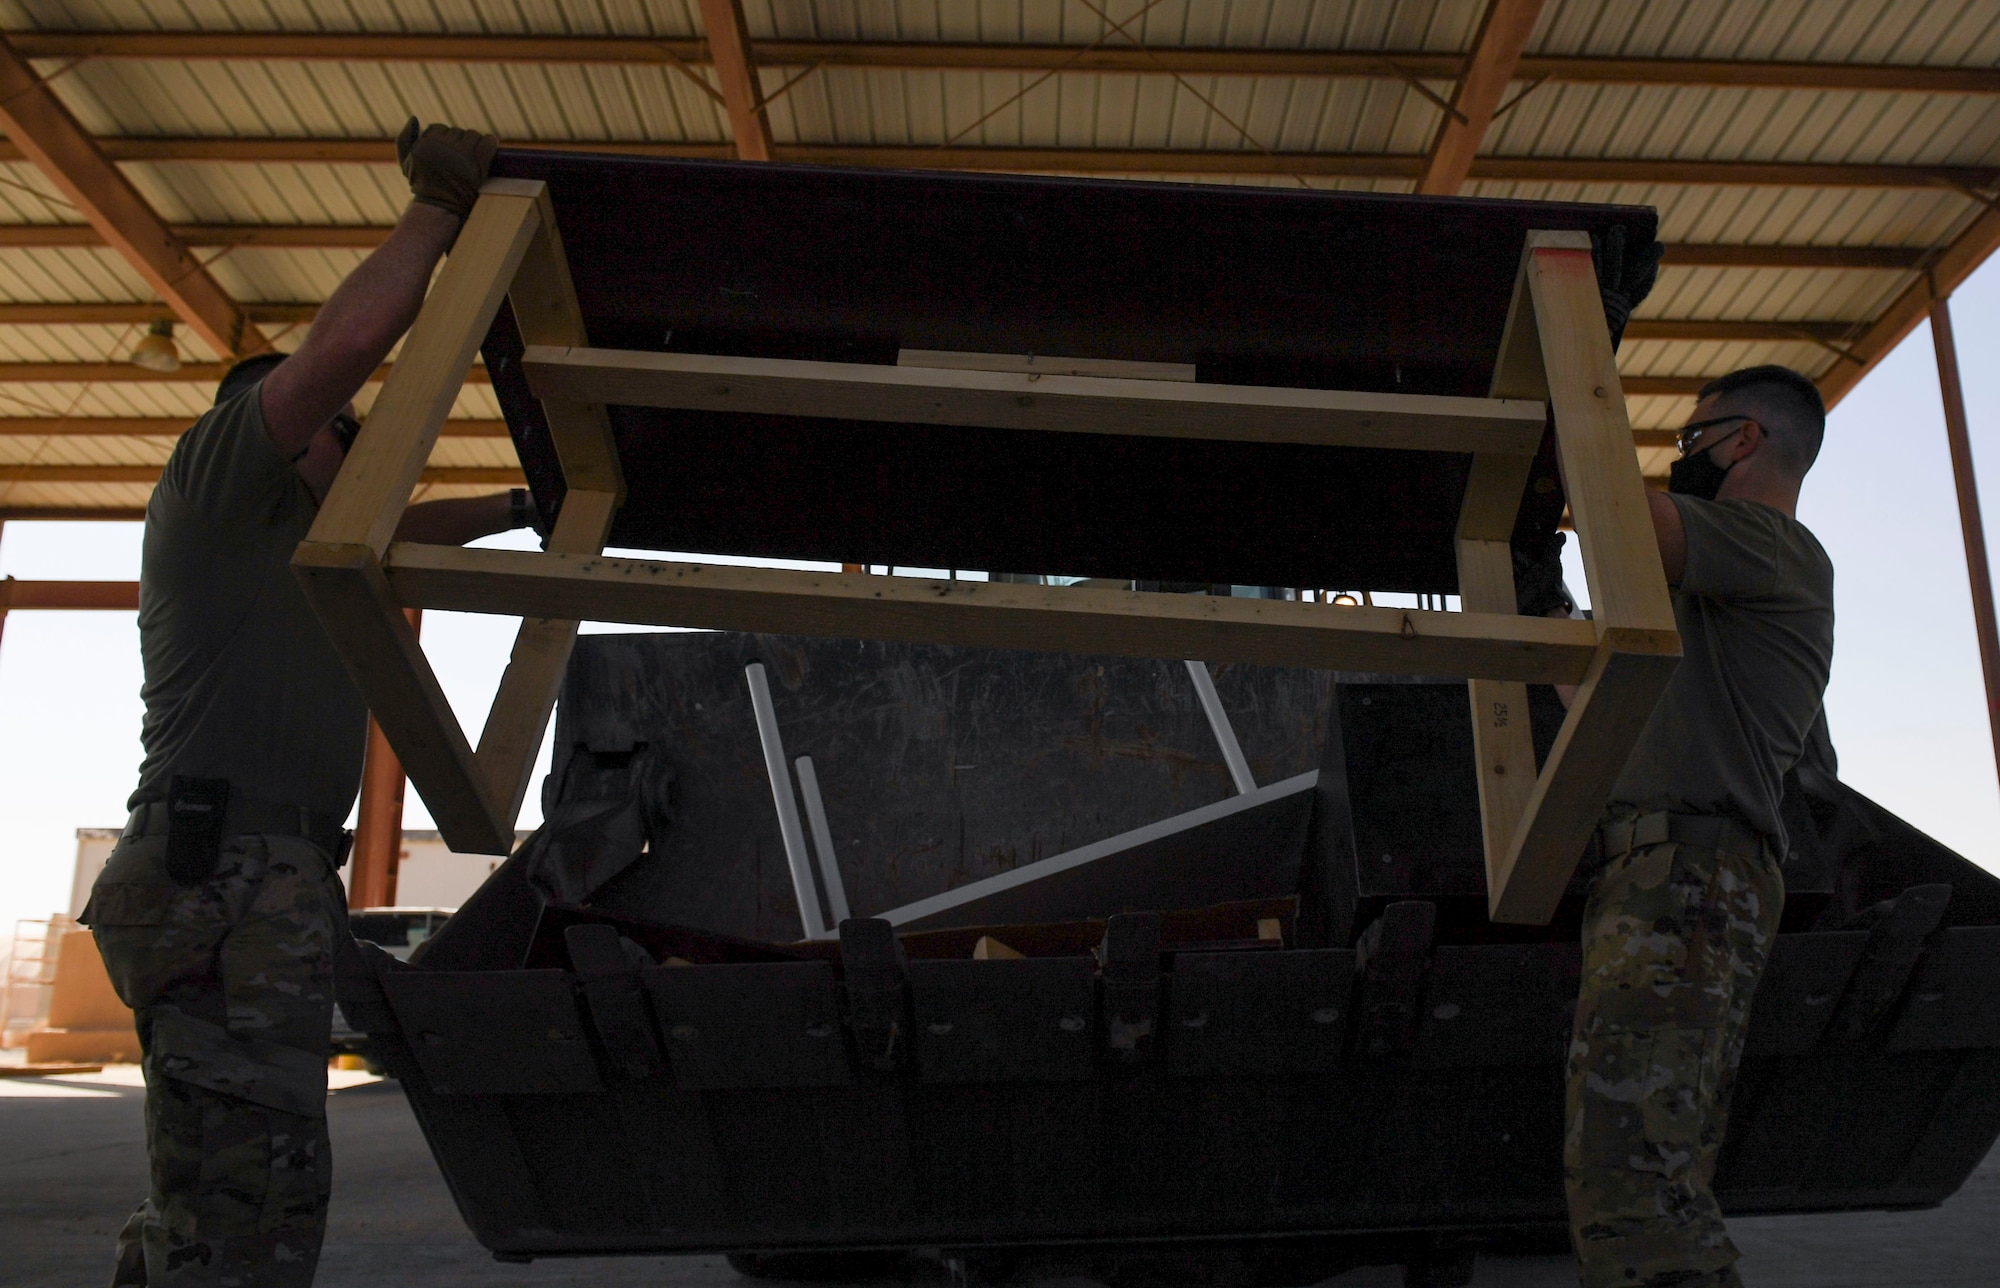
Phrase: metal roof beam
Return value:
(209, 372)
(1489, 68)
(379, 47)
(1663, 386)
(234, 236)
(16, 596)
(1720, 73)
(73, 513)
(14, 373)
(99, 314)
(30, 475)
(46, 134)
(281, 236)
(1715, 255)
(174, 426)
(1241, 162)
(365, 236)
(123, 314)
(729, 45)
(1737, 330)
(1772, 174)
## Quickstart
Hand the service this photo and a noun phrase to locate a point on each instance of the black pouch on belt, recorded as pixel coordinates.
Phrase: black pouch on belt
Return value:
(196, 808)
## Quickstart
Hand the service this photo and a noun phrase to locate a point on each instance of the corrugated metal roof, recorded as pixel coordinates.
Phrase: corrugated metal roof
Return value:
(657, 101)
(1961, 32)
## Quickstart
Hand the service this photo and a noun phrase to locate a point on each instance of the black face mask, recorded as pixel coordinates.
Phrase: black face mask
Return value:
(1696, 475)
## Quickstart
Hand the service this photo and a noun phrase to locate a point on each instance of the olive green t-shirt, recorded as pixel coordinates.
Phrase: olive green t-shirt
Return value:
(1755, 612)
(241, 681)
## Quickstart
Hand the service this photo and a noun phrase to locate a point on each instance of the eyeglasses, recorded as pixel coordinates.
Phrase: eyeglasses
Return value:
(345, 428)
(1689, 435)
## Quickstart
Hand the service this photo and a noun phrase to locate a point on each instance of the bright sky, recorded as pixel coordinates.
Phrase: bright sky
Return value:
(1905, 706)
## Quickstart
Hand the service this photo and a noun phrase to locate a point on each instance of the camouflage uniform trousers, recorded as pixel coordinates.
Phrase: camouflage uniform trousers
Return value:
(231, 981)
(1675, 937)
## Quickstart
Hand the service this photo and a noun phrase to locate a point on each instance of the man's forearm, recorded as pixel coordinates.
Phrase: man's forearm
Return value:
(357, 326)
(456, 520)
(378, 301)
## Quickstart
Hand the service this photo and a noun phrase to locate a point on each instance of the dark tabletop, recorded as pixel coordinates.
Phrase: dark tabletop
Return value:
(1251, 285)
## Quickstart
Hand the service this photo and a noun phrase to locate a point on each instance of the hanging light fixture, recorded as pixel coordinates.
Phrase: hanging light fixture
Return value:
(1346, 600)
(156, 352)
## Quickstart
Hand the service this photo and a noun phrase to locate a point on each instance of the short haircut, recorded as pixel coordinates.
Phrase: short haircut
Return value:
(245, 374)
(1787, 404)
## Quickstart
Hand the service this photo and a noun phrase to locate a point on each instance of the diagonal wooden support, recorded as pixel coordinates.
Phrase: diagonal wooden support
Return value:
(546, 311)
(1638, 645)
(374, 484)
(527, 694)
(473, 795)
(366, 623)
(1502, 736)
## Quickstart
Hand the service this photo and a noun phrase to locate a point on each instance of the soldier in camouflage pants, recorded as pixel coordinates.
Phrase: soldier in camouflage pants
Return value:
(219, 913)
(1682, 916)
(1675, 938)
(231, 980)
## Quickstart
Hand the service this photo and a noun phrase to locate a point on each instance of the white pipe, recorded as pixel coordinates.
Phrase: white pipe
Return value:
(822, 838)
(1138, 836)
(788, 807)
(1218, 723)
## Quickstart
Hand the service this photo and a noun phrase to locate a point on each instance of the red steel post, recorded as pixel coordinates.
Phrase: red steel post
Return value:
(1968, 512)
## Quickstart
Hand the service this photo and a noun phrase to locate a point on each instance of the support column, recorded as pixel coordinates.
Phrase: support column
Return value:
(378, 832)
(1968, 512)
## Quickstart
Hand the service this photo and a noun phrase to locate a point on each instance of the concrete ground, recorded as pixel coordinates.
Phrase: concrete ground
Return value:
(72, 1166)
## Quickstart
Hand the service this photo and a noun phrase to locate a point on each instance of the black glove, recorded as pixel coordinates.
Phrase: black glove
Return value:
(1538, 577)
(1623, 280)
(444, 165)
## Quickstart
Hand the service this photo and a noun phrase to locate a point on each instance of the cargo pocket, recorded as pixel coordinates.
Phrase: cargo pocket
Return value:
(126, 905)
(1645, 1097)
(264, 1073)
(261, 1171)
(130, 905)
(155, 934)
(1616, 1078)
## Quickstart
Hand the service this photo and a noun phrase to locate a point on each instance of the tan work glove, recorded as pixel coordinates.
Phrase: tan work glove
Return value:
(445, 165)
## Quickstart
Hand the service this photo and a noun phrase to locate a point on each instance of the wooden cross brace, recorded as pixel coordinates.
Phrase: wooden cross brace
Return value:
(508, 247)
(1556, 348)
